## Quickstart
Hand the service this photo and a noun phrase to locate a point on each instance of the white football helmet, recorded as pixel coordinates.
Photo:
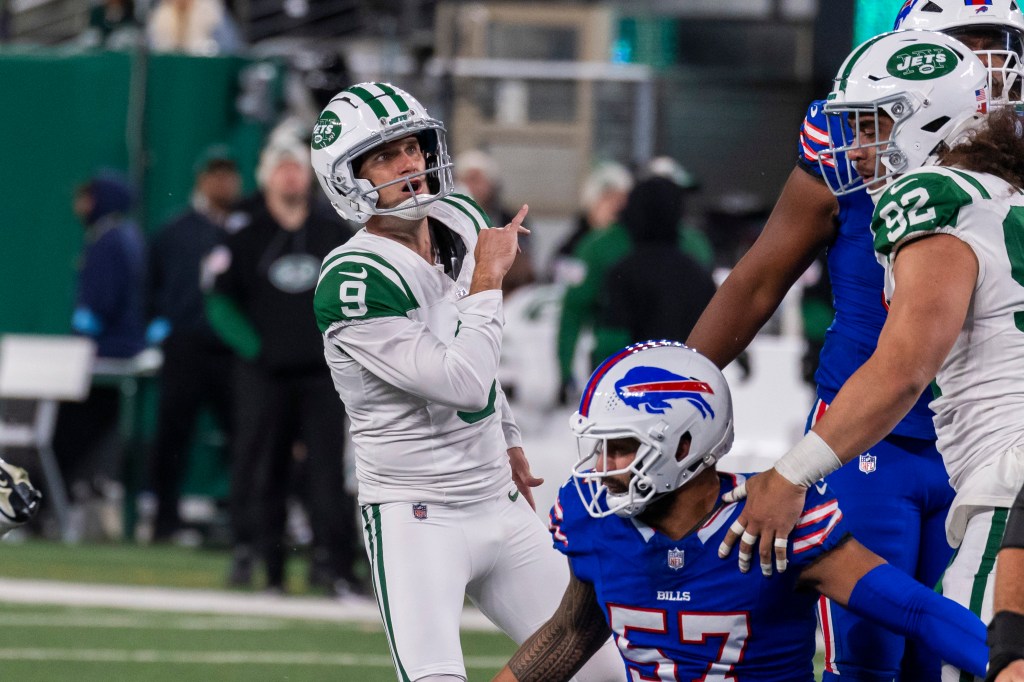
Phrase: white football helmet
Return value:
(998, 23)
(655, 392)
(928, 83)
(356, 121)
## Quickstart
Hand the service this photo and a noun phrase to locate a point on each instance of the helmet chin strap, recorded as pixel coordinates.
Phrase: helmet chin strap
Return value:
(414, 208)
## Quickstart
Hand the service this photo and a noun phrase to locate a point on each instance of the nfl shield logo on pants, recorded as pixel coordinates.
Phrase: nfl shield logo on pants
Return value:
(675, 559)
(419, 511)
(868, 463)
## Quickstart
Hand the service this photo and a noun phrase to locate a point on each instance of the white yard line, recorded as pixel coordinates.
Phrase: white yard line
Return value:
(220, 657)
(345, 610)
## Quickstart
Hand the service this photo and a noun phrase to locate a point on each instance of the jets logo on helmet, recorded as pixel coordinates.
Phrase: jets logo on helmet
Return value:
(921, 62)
(357, 121)
(656, 393)
(326, 130)
(651, 388)
(994, 29)
(927, 83)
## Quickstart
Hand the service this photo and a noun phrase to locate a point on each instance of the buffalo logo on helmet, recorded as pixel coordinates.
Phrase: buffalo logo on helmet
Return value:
(902, 14)
(650, 389)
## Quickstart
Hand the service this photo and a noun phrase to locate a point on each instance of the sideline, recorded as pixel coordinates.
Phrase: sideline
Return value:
(344, 610)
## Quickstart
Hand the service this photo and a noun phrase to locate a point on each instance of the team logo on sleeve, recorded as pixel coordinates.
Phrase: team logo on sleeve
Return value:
(867, 463)
(675, 559)
(651, 388)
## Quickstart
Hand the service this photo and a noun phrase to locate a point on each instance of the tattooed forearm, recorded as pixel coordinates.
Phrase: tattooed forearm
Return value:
(566, 641)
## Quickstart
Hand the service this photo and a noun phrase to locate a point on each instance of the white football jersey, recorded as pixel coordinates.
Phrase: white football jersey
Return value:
(414, 359)
(979, 391)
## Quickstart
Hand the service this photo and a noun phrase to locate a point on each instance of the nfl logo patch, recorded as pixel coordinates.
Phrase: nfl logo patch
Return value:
(868, 463)
(675, 559)
(419, 511)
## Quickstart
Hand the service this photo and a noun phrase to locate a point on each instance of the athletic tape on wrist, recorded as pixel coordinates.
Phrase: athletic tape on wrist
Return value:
(1006, 639)
(810, 460)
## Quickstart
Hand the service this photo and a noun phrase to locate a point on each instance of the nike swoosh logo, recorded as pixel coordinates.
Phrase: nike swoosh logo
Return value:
(821, 487)
(814, 110)
(514, 496)
(356, 275)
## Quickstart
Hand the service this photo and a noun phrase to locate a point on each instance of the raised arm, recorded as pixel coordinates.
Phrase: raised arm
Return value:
(801, 224)
(935, 278)
(563, 644)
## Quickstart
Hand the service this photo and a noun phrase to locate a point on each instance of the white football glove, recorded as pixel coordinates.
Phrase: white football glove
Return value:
(19, 500)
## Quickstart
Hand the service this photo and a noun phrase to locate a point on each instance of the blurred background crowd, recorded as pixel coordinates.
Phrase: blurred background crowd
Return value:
(139, 137)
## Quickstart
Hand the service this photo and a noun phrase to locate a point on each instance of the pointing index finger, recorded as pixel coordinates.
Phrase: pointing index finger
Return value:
(517, 222)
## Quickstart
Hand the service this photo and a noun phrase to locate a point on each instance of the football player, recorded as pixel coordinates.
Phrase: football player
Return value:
(19, 499)
(948, 183)
(411, 314)
(641, 520)
(896, 494)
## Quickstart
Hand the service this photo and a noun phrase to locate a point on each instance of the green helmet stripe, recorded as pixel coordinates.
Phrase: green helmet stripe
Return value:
(375, 104)
(844, 75)
(395, 97)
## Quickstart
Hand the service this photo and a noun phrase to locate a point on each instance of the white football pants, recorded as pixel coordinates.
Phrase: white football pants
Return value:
(497, 552)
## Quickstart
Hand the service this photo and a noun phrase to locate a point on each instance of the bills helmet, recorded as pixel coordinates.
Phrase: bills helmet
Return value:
(656, 392)
(932, 87)
(356, 121)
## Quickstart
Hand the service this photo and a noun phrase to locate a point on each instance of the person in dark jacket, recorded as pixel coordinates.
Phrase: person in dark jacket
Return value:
(657, 291)
(196, 370)
(261, 304)
(108, 309)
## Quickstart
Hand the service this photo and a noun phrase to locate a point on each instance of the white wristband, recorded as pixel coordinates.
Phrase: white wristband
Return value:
(810, 460)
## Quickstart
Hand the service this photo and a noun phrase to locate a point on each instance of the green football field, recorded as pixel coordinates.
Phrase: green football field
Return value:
(65, 643)
(46, 640)
(49, 642)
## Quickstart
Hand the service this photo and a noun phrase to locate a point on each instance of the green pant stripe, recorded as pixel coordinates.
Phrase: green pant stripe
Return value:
(371, 523)
(378, 108)
(395, 97)
(988, 560)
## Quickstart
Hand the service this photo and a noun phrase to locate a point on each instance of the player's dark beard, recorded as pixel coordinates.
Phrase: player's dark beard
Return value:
(658, 508)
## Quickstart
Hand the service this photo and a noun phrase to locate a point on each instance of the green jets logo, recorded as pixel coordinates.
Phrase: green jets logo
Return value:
(921, 62)
(326, 130)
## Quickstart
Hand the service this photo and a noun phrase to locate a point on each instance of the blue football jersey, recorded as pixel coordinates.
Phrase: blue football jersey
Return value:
(678, 612)
(857, 278)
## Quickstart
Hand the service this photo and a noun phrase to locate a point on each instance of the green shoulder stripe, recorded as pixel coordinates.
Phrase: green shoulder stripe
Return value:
(972, 181)
(471, 209)
(360, 286)
(920, 203)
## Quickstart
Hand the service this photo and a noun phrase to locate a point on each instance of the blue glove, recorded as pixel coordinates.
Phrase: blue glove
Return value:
(158, 330)
(84, 321)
